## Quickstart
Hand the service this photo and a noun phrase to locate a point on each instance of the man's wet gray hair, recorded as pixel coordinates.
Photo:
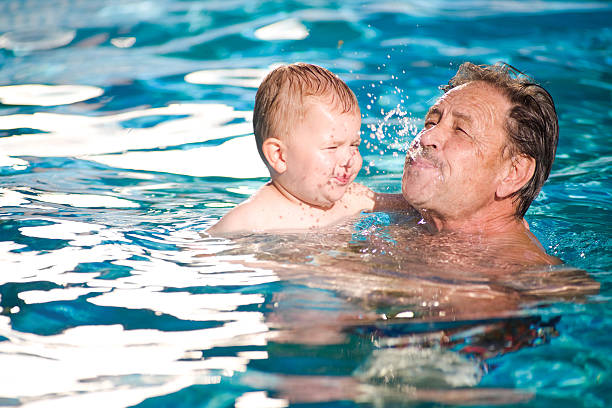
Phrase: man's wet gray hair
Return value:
(531, 125)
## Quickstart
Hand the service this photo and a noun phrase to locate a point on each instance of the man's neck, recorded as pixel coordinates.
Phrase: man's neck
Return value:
(510, 234)
(490, 223)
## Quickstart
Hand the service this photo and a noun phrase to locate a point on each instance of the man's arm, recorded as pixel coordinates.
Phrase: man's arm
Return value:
(390, 202)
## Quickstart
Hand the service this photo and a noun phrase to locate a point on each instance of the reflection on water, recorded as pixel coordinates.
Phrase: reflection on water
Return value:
(93, 138)
(161, 307)
(406, 274)
(290, 29)
(151, 342)
(125, 131)
(428, 329)
(105, 134)
(45, 95)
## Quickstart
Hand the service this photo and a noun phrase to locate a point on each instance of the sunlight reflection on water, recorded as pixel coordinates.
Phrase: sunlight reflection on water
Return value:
(163, 361)
(126, 131)
(89, 137)
(47, 95)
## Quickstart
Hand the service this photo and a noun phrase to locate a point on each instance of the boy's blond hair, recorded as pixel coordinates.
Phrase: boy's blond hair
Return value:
(281, 97)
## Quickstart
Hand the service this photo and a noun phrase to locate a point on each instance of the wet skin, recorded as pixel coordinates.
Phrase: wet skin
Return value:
(460, 176)
(312, 172)
(456, 162)
(322, 156)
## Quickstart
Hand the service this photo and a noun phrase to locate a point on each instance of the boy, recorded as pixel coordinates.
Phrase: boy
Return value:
(307, 128)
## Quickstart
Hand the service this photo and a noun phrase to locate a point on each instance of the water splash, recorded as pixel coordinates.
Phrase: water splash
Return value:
(393, 134)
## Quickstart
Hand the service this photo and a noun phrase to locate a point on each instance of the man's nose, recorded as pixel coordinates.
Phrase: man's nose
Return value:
(433, 137)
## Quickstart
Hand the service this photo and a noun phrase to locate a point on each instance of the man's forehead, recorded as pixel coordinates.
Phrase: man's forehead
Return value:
(466, 96)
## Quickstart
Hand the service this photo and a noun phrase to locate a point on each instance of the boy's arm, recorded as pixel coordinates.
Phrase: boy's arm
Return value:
(369, 200)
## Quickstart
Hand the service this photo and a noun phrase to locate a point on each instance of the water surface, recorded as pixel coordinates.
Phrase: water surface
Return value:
(125, 131)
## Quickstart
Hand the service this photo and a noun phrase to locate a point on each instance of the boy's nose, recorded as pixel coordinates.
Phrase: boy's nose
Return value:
(347, 159)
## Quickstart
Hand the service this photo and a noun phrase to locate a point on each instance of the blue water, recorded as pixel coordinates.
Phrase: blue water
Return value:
(111, 295)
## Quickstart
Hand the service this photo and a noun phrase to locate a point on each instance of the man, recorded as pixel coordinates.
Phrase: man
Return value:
(485, 151)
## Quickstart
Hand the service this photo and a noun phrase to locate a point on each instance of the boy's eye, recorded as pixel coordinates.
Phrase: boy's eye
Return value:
(429, 123)
(331, 147)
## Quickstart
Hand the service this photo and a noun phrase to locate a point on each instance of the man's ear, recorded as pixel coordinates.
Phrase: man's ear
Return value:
(274, 152)
(519, 172)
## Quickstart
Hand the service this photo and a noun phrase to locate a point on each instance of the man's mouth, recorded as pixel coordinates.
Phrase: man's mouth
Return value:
(421, 158)
(421, 162)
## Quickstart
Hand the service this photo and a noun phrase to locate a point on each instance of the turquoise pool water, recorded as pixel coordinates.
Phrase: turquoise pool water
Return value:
(125, 131)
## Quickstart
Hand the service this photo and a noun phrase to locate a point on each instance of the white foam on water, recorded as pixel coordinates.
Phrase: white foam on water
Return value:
(290, 29)
(47, 95)
(244, 77)
(259, 399)
(123, 42)
(14, 162)
(87, 200)
(164, 269)
(236, 158)
(56, 266)
(53, 295)
(10, 198)
(62, 229)
(183, 305)
(76, 135)
(24, 41)
(242, 190)
(72, 367)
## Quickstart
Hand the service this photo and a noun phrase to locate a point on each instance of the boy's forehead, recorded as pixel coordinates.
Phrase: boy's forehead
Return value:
(330, 103)
(312, 110)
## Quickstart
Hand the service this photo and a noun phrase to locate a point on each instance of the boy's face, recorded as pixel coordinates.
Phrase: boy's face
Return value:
(322, 154)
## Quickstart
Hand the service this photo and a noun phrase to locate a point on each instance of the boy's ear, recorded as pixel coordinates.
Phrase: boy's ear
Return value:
(519, 172)
(274, 152)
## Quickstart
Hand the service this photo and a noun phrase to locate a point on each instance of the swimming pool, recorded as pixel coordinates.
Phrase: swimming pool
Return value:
(125, 131)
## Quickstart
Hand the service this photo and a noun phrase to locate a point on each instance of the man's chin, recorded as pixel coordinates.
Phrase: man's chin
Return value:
(417, 195)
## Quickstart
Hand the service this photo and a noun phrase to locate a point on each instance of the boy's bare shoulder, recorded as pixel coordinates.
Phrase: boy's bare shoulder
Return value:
(236, 220)
(261, 212)
(246, 216)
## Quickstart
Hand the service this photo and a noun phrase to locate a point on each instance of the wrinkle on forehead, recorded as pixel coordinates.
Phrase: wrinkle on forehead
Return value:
(481, 105)
(481, 95)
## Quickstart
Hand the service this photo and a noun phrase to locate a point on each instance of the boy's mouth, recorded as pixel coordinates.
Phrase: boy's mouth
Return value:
(343, 179)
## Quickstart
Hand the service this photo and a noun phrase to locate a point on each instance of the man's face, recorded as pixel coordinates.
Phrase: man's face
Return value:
(455, 164)
(322, 154)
